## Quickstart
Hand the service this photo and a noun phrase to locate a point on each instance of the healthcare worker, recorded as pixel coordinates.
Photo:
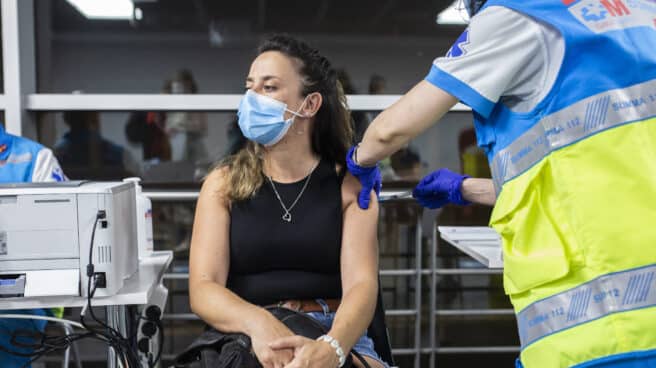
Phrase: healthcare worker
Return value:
(22, 160)
(564, 100)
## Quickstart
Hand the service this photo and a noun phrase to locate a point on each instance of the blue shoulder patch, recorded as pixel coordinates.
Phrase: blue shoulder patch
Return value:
(57, 174)
(458, 48)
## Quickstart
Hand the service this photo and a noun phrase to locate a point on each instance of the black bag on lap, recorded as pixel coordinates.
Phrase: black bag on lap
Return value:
(218, 350)
(214, 349)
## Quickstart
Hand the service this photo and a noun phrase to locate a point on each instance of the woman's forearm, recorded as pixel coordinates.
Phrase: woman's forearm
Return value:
(354, 314)
(224, 310)
(479, 191)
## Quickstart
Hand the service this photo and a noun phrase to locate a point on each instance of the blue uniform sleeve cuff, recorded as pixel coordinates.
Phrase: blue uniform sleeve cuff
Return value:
(461, 91)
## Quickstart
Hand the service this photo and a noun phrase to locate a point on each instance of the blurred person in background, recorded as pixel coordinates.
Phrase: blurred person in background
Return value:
(377, 85)
(359, 118)
(24, 161)
(148, 128)
(407, 164)
(236, 139)
(187, 130)
(85, 154)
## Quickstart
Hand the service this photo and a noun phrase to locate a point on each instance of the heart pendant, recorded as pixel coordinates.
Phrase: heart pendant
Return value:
(287, 217)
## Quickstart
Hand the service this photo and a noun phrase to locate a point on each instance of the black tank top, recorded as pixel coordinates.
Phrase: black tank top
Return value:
(273, 260)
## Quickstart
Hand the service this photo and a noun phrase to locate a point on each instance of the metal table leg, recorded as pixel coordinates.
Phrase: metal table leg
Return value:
(117, 319)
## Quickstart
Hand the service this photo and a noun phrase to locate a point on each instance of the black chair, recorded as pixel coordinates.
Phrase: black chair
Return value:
(377, 331)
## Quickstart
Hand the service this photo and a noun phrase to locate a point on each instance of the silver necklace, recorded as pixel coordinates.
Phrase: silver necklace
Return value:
(287, 215)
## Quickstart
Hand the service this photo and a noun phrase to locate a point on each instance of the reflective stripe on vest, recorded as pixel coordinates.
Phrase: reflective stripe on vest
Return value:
(571, 124)
(607, 294)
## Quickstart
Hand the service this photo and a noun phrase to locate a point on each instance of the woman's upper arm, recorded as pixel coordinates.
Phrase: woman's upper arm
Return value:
(359, 256)
(209, 258)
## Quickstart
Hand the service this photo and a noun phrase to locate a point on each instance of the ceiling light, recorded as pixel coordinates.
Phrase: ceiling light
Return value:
(454, 14)
(104, 9)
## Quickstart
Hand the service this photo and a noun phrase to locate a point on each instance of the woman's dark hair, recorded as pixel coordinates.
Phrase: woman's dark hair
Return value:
(332, 135)
(332, 132)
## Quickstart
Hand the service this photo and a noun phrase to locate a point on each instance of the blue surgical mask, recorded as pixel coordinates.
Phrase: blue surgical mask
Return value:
(261, 118)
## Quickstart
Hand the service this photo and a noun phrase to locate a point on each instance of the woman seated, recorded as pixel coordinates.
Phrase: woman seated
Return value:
(278, 222)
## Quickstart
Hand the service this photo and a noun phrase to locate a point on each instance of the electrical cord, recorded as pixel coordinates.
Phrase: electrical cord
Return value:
(114, 338)
(44, 345)
(44, 318)
(160, 346)
(54, 343)
(47, 345)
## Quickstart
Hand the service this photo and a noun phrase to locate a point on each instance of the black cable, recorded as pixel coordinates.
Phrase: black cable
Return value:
(52, 347)
(160, 331)
(90, 275)
(113, 337)
(20, 336)
(49, 344)
(17, 353)
(360, 358)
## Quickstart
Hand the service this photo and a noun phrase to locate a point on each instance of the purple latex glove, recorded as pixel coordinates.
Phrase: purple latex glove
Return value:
(439, 188)
(369, 177)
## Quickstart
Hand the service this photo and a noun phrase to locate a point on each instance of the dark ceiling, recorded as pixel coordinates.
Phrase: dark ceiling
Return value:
(344, 17)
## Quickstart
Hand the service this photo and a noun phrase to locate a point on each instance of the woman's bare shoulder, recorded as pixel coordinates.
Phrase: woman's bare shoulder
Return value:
(216, 183)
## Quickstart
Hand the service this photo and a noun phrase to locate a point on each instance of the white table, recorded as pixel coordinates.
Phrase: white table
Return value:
(480, 242)
(136, 290)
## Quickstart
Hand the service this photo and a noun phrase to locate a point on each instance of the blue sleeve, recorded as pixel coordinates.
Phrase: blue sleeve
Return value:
(460, 90)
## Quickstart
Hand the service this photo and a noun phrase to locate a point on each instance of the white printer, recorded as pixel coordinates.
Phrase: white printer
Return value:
(45, 235)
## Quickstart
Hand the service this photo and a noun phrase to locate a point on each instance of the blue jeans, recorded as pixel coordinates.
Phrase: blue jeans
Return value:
(364, 346)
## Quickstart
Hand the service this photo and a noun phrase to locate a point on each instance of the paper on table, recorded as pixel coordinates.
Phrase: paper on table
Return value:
(480, 242)
(470, 233)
